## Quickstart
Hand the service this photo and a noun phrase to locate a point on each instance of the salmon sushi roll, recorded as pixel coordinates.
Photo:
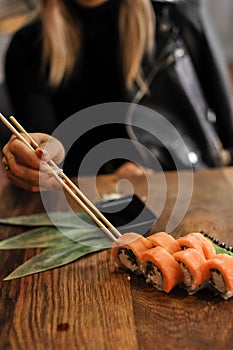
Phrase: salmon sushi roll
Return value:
(127, 251)
(164, 240)
(195, 269)
(221, 270)
(197, 241)
(161, 269)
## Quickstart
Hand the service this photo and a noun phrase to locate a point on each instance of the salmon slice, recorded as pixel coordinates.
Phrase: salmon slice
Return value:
(197, 241)
(164, 240)
(221, 269)
(161, 269)
(128, 249)
(195, 269)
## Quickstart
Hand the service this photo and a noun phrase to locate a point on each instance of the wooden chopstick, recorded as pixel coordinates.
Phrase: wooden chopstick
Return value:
(71, 188)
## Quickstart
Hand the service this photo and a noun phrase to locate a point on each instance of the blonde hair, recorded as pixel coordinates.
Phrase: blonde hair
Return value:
(62, 39)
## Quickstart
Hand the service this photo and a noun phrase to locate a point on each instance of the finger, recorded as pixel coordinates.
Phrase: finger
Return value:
(26, 173)
(23, 183)
(22, 153)
(49, 148)
(4, 161)
(7, 160)
(7, 154)
(34, 184)
(129, 169)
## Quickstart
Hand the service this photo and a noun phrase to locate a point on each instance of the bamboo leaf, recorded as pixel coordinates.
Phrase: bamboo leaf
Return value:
(36, 238)
(76, 236)
(103, 242)
(44, 237)
(61, 219)
(52, 258)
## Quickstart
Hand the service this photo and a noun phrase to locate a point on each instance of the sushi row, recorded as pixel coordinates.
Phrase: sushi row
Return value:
(190, 262)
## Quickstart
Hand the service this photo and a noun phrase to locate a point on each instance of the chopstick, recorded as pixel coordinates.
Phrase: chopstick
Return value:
(72, 189)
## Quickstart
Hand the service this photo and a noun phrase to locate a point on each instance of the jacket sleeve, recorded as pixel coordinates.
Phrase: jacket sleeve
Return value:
(30, 102)
(200, 38)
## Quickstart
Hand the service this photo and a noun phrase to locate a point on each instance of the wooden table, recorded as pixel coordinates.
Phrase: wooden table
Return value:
(88, 304)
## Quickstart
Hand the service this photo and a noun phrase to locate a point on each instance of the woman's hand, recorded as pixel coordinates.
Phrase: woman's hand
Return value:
(128, 169)
(24, 167)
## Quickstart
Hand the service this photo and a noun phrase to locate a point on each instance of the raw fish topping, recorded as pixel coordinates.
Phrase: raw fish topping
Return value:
(193, 261)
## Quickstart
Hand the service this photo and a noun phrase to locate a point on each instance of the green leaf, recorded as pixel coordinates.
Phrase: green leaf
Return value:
(52, 258)
(44, 237)
(76, 236)
(36, 238)
(104, 242)
(61, 219)
(219, 250)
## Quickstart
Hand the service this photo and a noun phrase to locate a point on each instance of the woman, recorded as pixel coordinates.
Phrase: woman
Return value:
(80, 65)
(88, 52)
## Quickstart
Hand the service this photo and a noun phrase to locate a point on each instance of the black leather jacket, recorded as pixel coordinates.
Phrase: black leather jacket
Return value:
(189, 86)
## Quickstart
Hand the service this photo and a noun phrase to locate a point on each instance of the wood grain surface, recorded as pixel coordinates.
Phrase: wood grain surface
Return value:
(89, 304)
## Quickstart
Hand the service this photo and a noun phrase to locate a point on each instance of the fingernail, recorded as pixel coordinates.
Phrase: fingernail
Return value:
(41, 152)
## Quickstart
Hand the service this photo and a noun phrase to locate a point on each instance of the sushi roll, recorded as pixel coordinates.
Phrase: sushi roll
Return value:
(197, 241)
(127, 251)
(161, 269)
(164, 240)
(195, 269)
(221, 270)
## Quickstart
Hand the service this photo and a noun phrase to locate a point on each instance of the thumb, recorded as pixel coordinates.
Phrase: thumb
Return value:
(51, 150)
